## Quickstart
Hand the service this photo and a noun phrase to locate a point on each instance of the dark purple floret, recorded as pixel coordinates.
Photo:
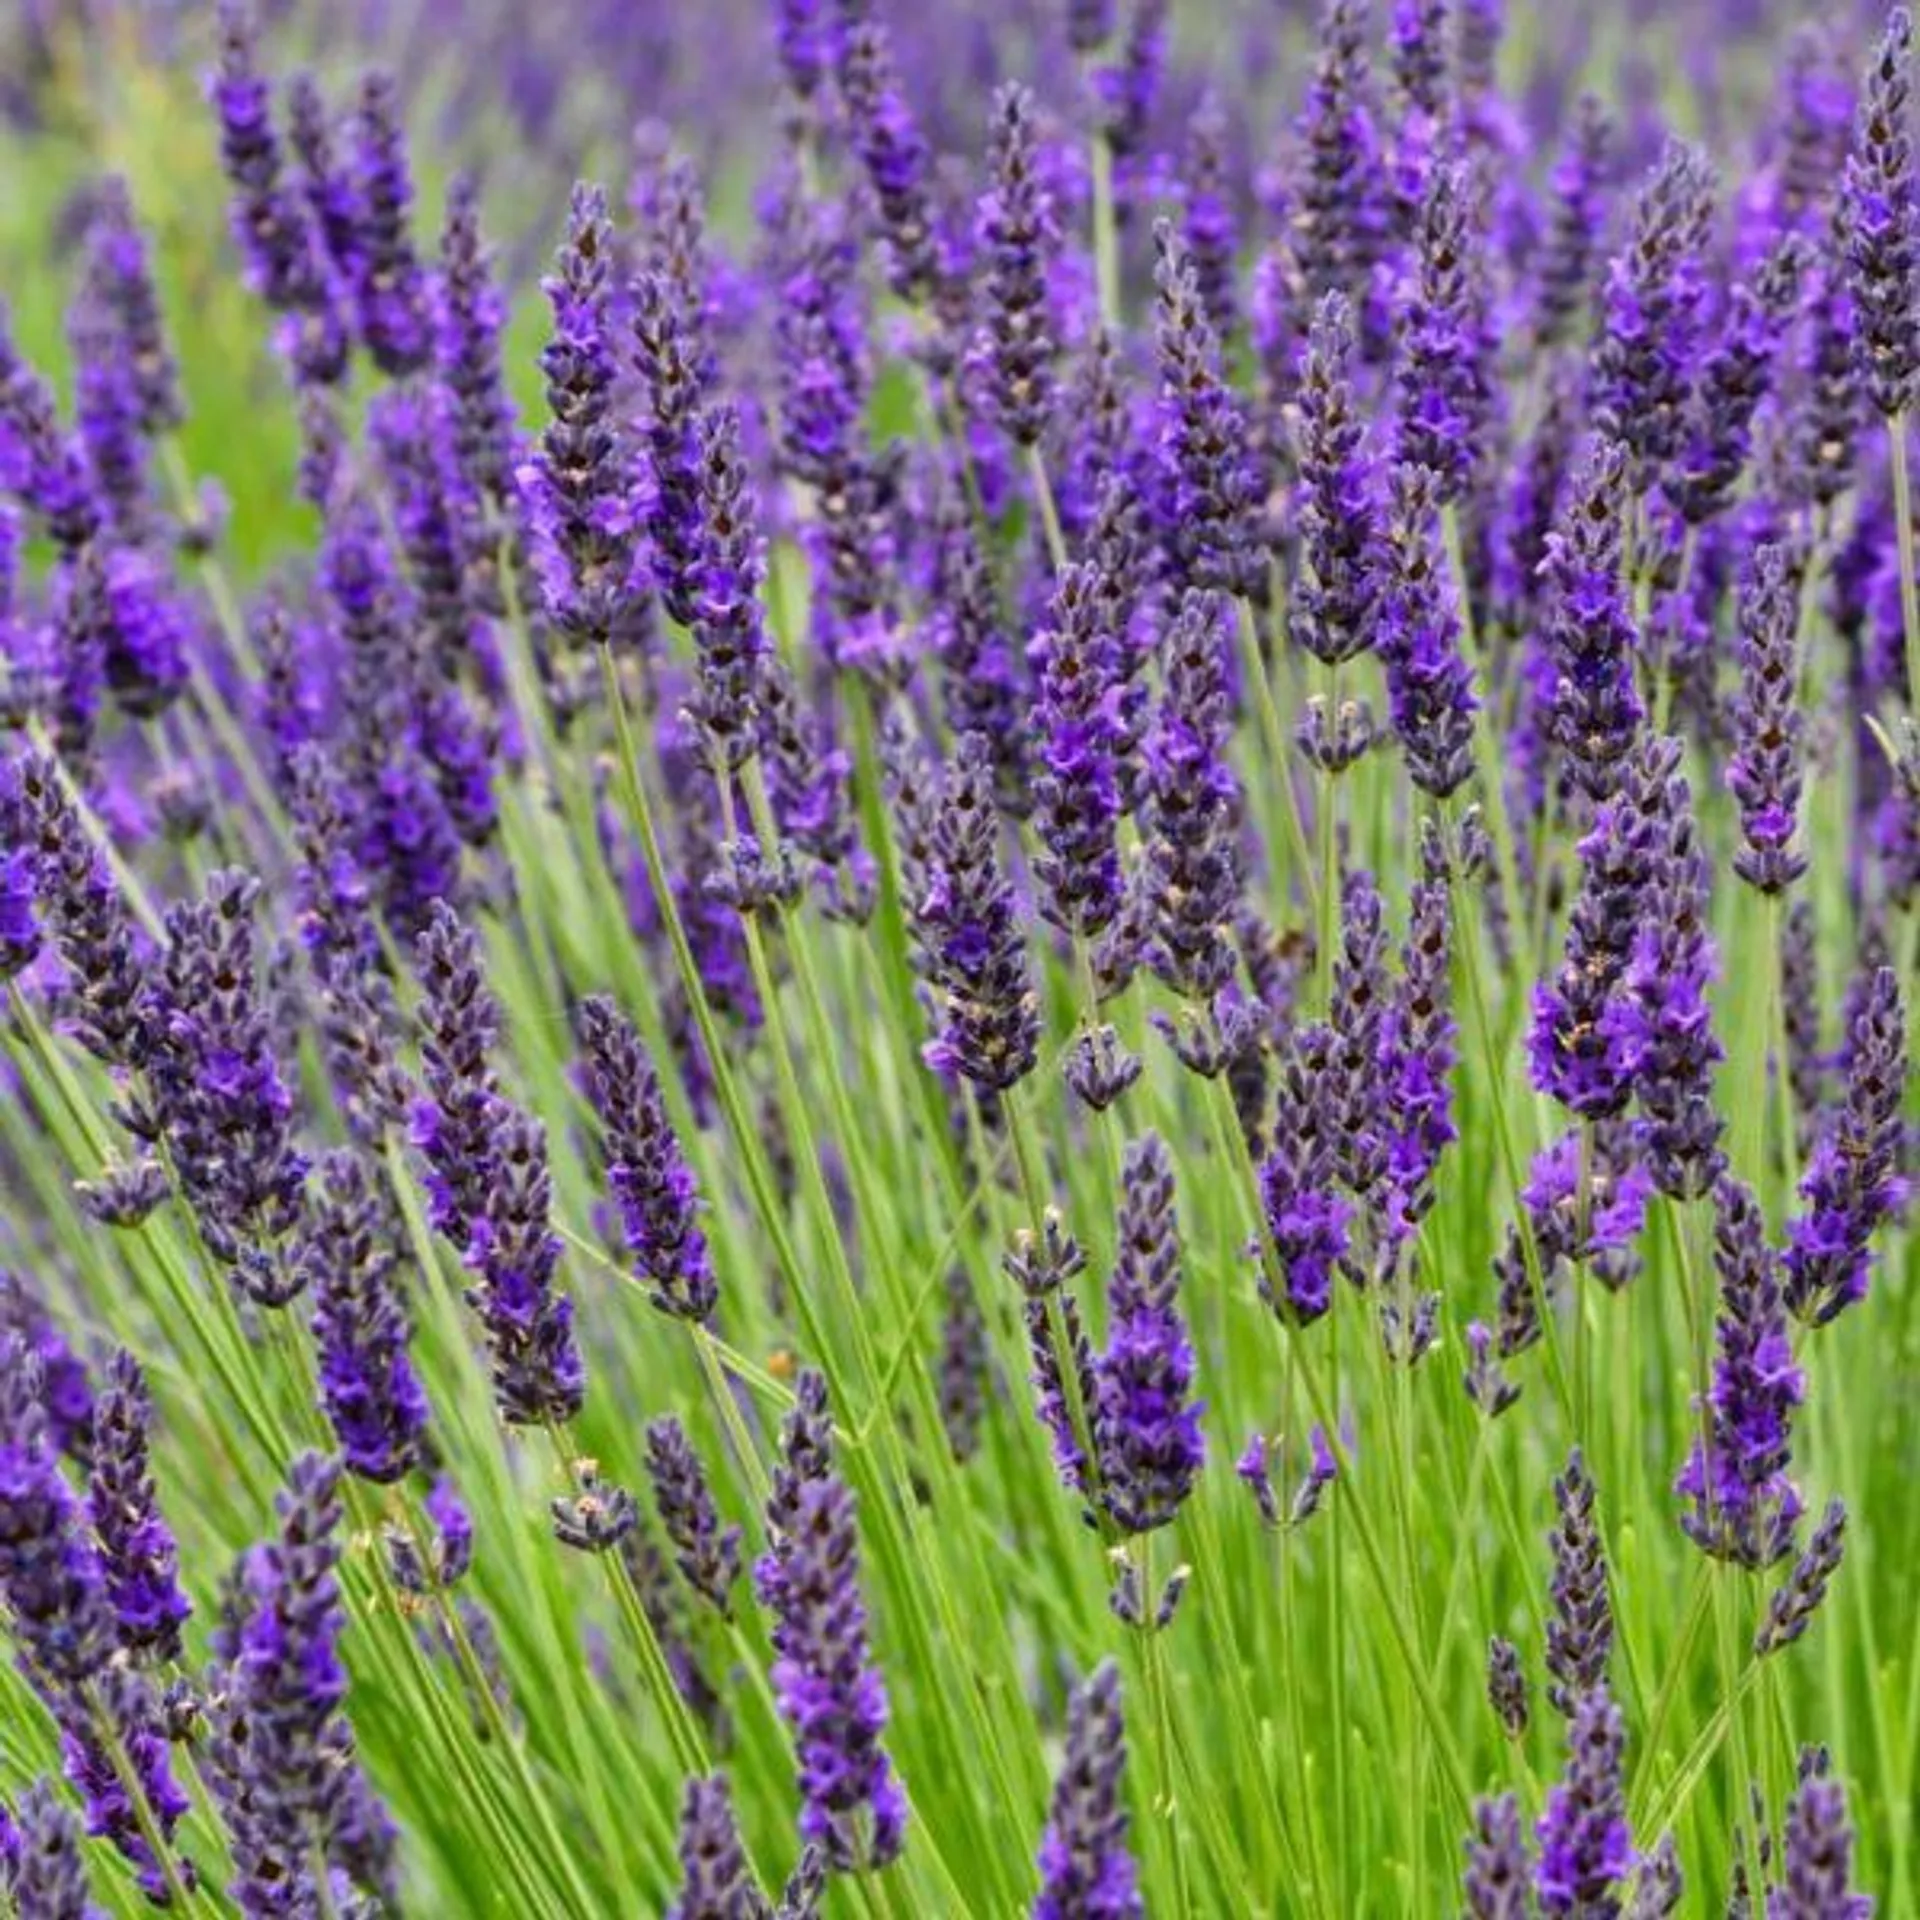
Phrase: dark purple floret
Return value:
(1854, 1182)
(1586, 1848)
(138, 1554)
(1018, 238)
(577, 486)
(1087, 1871)
(1764, 776)
(1189, 808)
(1146, 1429)
(1495, 1882)
(1077, 791)
(1817, 1851)
(215, 1088)
(1564, 277)
(646, 1170)
(1334, 603)
(539, 1377)
(45, 1870)
(707, 1554)
(990, 1022)
(361, 1328)
(1741, 1504)
(1446, 392)
(1580, 1630)
(1879, 224)
(892, 150)
(1429, 683)
(729, 631)
(1205, 446)
(1644, 362)
(830, 1694)
(395, 321)
(716, 1879)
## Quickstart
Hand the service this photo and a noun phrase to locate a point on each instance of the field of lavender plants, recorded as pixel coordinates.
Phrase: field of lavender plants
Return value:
(989, 1000)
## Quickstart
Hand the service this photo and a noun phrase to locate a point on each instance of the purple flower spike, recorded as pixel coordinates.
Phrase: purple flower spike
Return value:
(1586, 1849)
(1764, 777)
(1018, 238)
(1497, 1872)
(1817, 1851)
(138, 1553)
(716, 1880)
(1447, 393)
(1565, 278)
(392, 291)
(1086, 1869)
(646, 1169)
(368, 1385)
(44, 1870)
(1741, 1504)
(830, 1694)
(1879, 222)
(1854, 1182)
(1429, 682)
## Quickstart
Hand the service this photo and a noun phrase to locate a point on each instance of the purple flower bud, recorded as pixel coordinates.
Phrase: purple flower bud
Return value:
(1207, 214)
(1307, 1221)
(1429, 682)
(1586, 1849)
(1086, 1868)
(1764, 776)
(395, 321)
(1792, 1605)
(1564, 279)
(729, 564)
(454, 1125)
(1507, 1686)
(1446, 393)
(1817, 1851)
(708, 1553)
(472, 317)
(45, 1869)
(716, 1880)
(1340, 221)
(891, 148)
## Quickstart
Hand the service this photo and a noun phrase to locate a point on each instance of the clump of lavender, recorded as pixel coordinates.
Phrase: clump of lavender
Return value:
(1854, 1182)
(1880, 226)
(1741, 1504)
(361, 1328)
(1017, 238)
(646, 1170)
(830, 1694)
(990, 1024)
(1086, 1866)
(1764, 777)
(139, 1557)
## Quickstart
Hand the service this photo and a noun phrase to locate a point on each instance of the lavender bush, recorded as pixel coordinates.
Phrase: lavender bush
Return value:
(992, 999)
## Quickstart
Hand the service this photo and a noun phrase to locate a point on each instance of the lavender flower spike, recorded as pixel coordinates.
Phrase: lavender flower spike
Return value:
(646, 1169)
(830, 1695)
(1854, 1182)
(138, 1554)
(46, 1877)
(1495, 1881)
(1086, 1870)
(708, 1554)
(1817, 1852)
(1586, 1849)
(1764, 777)
(1018, 238)
(1580, 1630)
(1880, 225)
(716, 1880)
